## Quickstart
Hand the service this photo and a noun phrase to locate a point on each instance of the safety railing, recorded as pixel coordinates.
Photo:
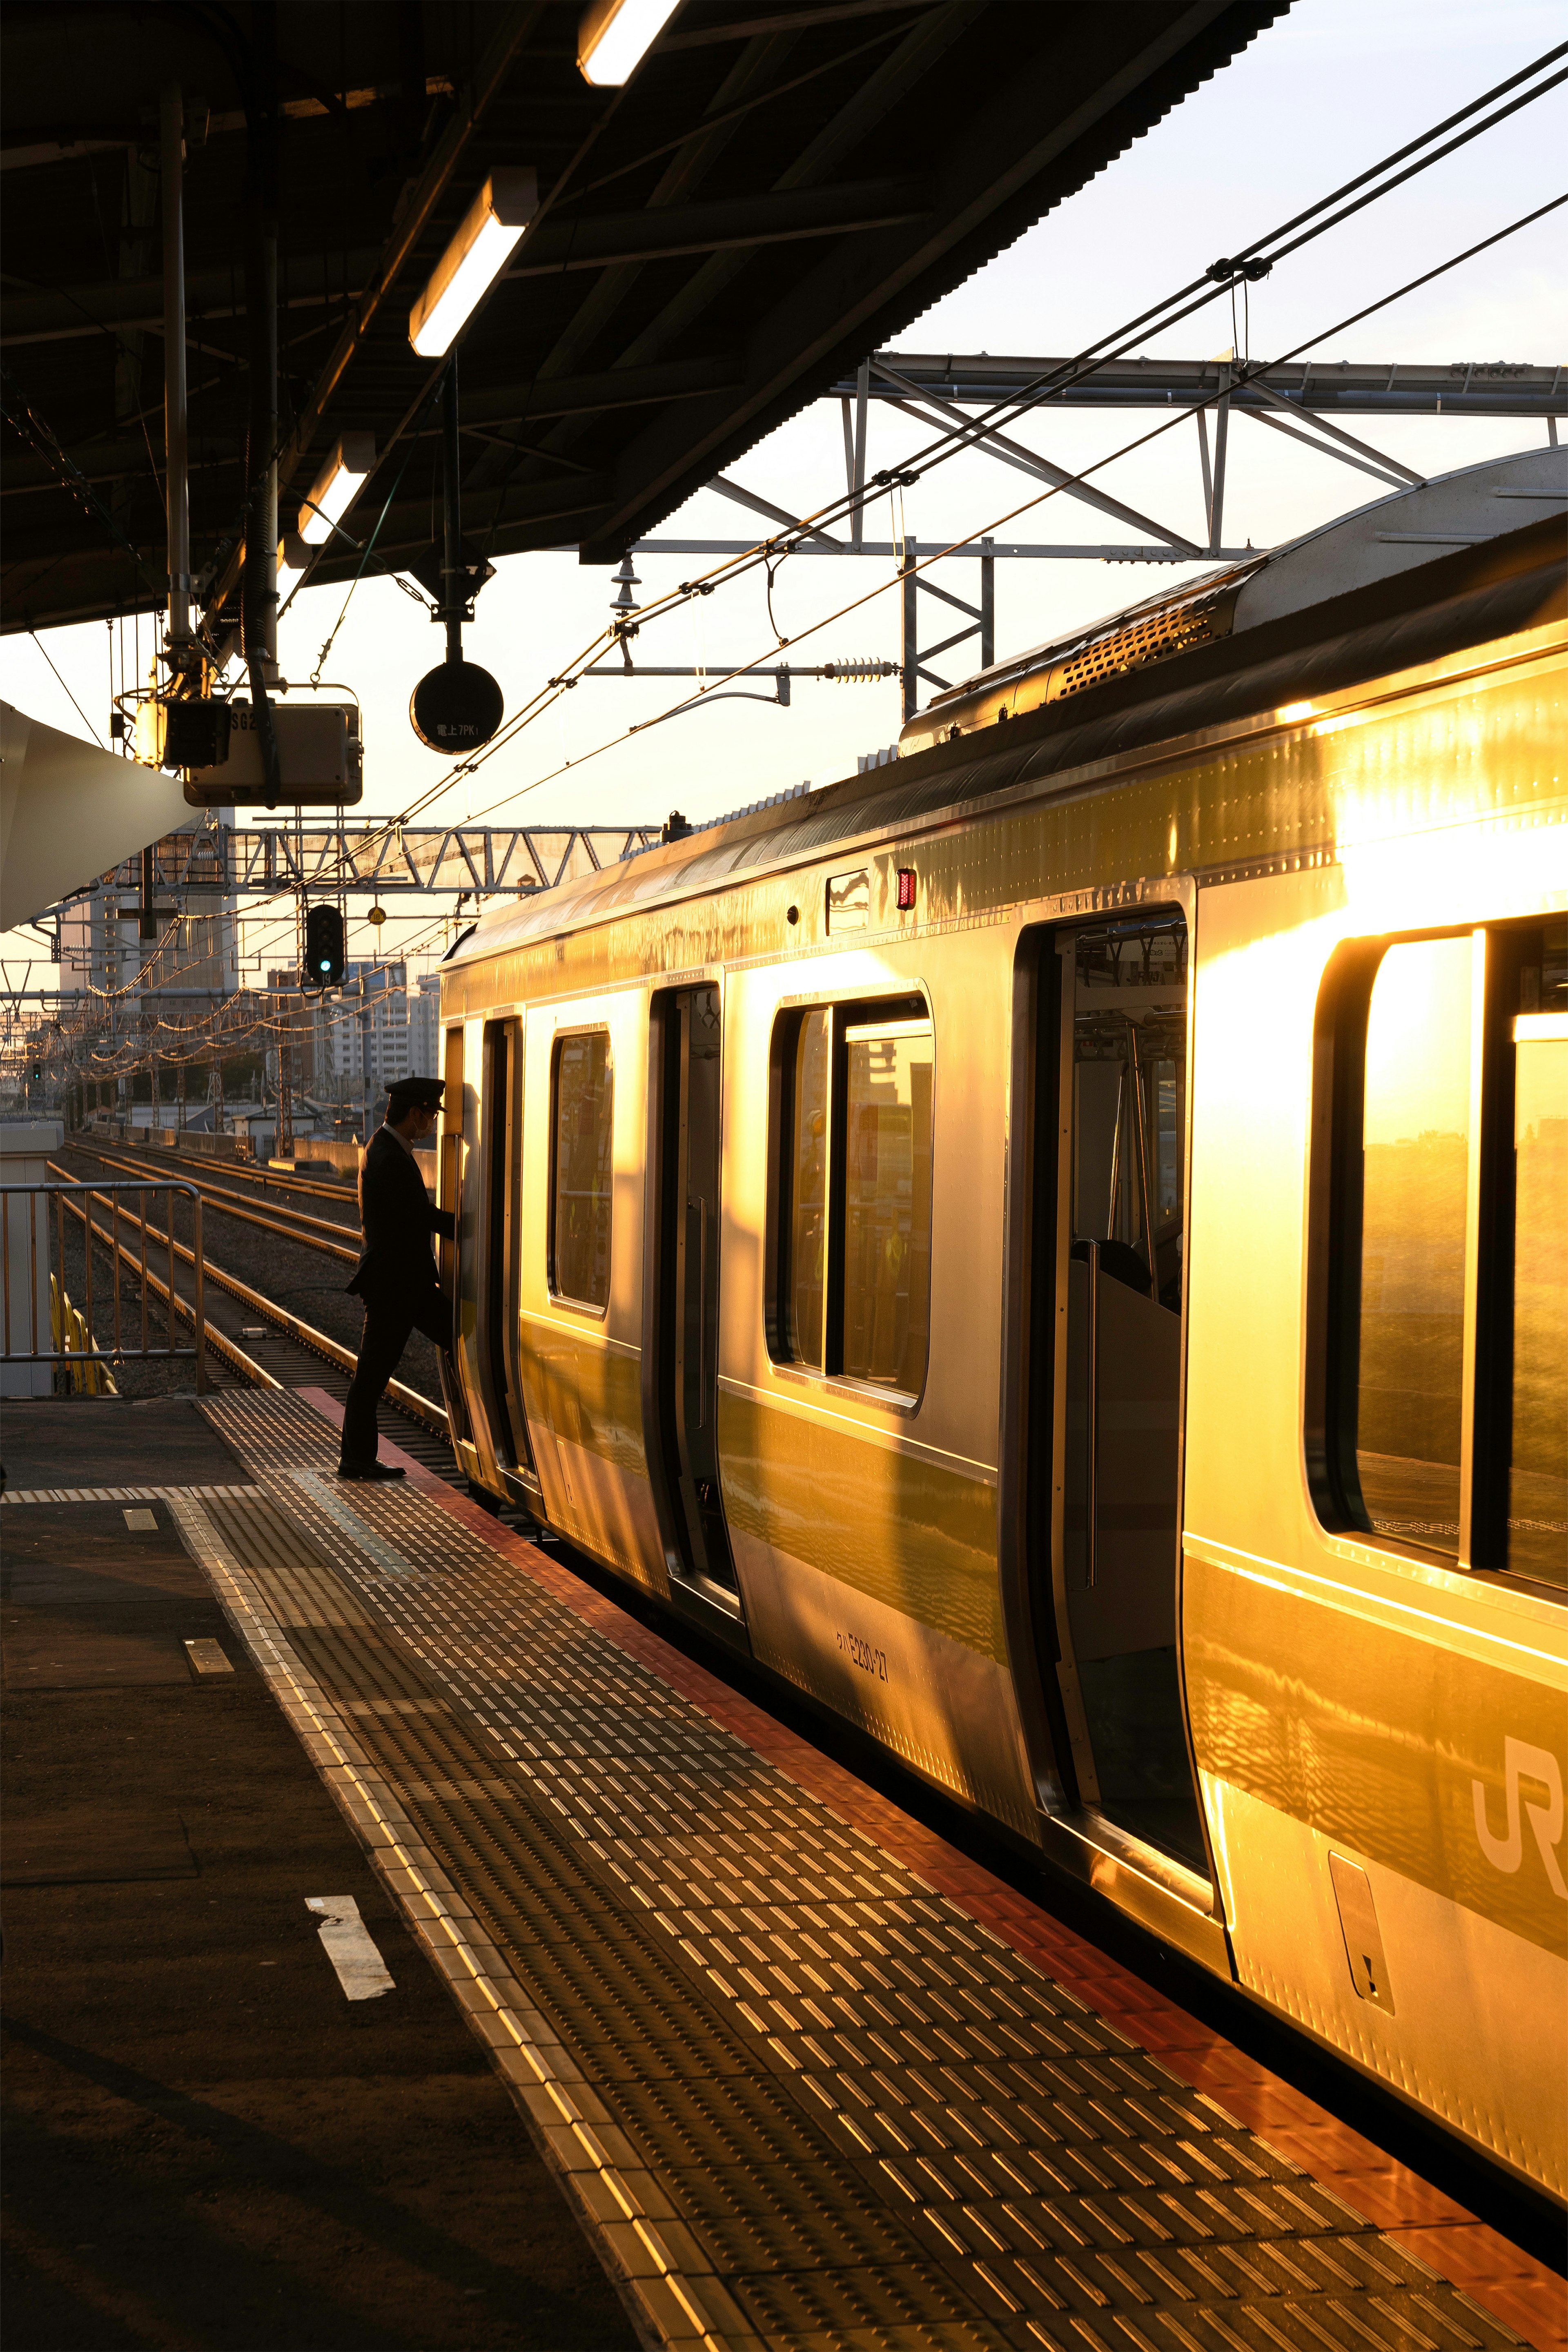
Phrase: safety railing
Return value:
(34, 1216)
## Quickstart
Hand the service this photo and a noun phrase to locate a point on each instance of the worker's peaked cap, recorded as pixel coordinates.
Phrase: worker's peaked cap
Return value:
(408, 1094)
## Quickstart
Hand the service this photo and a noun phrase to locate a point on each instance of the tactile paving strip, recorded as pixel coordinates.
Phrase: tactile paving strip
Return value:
(111, 1494)
(871, 2120)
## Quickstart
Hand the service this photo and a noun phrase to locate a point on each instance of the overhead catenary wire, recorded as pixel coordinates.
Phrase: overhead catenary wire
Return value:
(1218, 280)
(996, 523)
(625, 734)
(949, 441)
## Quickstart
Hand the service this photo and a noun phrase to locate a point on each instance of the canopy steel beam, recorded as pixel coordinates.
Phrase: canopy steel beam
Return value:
(1050, 552)
(1335, 388)
(781, 216)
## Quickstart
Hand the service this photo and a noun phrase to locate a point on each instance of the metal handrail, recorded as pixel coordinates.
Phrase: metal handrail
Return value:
(109, 1193)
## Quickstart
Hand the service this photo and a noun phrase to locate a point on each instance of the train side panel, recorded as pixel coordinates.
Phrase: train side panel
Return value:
(865, 1530)
(1378, 1736)
(1353, 1706)
(582, 1358)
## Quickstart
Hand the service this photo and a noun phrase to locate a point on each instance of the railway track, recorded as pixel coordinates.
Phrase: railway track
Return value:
(227, 1171)
(255, 1342)
(337, 1236)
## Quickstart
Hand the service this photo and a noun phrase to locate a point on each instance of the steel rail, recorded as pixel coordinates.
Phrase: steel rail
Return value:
(237, 1168)
(248, 1214)
(305, 1335)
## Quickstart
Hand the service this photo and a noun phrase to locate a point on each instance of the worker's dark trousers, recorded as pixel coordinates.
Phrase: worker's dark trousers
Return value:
(388, 1324)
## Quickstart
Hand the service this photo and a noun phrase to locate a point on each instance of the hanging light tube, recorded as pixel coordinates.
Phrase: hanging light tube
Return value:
(615, 35)
(293, 560)
(475, 259)
(333, 489)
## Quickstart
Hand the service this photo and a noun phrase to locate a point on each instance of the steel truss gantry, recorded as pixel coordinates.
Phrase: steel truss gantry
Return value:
(1305, 402)
(380, 857)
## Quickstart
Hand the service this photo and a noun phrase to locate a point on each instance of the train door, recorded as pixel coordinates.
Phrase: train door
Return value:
(1114, 1070)
(682, 1358)
(499, 1243)
(450, 1194)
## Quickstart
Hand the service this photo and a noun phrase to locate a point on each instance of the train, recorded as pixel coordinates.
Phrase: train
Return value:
(1056, 1248)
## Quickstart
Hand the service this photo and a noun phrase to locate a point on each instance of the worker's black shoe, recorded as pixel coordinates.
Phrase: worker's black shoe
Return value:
(372, 1472)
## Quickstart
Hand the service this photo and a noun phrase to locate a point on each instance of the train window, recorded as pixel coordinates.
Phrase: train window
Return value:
(1538, 1464)
(1415, 1146)
(1128, 1108)
(808, 1192)
(887, 1204)
(580, 1169)
(1437, 1369)
(850, 1215)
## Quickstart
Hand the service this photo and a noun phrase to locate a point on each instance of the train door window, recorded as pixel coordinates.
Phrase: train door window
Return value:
(1437, 1383)
(502, 1127)
(1416, 1147)
(807, 1150)
(688, 1033)
(886, 1203)
(581, 1168)
(449, 1192)
(449, 1171)
(850, 1210)
(1111, 1142)
(1537, 1499)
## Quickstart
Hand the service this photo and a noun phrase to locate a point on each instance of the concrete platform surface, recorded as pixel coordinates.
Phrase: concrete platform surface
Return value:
(795, 2071)
(206, 2143)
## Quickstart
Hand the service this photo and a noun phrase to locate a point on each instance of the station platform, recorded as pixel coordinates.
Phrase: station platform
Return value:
(694, 2038)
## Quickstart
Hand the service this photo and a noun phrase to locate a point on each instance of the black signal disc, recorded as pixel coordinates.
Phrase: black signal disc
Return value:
(457, 708)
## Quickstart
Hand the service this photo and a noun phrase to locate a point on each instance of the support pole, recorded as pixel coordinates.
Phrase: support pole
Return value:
(909, 647)
(452, 573)
(176, 487)
(1217, 504)
(987, 603)
(259, 586)
(857, 478)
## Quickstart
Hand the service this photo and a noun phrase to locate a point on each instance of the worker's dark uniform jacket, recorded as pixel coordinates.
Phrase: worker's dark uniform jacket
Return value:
(395, 1277)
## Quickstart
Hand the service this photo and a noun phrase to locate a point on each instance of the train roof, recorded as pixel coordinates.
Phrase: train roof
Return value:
(1452, 561)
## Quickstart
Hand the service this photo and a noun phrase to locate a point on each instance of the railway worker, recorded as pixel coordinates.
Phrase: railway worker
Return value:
(395, 1276)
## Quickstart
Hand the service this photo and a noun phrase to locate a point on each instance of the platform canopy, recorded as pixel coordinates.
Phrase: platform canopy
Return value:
(782, 187)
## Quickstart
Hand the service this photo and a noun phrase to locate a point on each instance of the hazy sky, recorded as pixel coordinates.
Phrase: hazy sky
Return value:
(1327, 90)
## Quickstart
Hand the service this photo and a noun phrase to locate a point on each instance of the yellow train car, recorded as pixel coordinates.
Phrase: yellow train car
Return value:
(1059, 1247)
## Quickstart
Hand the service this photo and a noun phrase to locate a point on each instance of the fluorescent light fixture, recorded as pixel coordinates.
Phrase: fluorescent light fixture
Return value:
(615, 35)
(332, 492)
(475, 259)
(293, 555)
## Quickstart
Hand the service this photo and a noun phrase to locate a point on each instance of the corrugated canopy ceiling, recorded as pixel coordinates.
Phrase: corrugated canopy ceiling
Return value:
(779, 190)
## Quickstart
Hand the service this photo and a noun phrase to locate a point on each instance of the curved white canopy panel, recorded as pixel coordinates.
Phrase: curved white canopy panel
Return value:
(70, 811)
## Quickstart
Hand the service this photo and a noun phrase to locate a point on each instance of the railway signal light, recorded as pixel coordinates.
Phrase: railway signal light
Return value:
(324, 948)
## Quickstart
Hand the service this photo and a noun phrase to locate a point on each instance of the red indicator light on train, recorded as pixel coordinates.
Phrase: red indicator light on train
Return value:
(906, 888)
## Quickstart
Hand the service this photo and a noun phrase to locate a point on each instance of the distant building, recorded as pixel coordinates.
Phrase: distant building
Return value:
(360, 1038)
(100, 942)
(425, 1028)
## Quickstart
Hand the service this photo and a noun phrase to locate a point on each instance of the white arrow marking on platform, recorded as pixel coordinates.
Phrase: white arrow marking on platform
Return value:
(361, 1972)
